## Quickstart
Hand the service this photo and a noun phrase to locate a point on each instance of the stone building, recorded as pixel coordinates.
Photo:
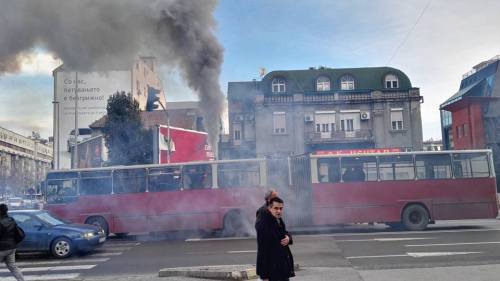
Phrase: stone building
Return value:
(23, 161)
(323, 109)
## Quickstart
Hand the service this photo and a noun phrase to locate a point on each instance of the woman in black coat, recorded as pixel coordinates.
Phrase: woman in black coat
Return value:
(274, 258)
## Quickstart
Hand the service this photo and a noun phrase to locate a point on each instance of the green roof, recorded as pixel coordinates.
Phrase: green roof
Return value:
(366, 78)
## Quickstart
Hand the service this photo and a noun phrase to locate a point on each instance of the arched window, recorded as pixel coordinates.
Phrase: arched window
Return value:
(347, 82)
(391, 81)
(322, 84)
(278, 85)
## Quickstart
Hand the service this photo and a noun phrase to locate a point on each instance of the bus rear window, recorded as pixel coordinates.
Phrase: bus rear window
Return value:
(470, 165)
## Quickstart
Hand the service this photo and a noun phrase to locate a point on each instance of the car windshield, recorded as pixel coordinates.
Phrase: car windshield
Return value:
(49, 219)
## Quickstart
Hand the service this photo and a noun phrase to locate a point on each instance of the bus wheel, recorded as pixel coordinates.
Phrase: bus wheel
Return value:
(99, 221)
(234, 224)
(415, 217)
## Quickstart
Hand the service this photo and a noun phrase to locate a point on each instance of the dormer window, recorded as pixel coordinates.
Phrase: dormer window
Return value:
(322, 84)
(347, 82)
(391, 81)
(278, 85)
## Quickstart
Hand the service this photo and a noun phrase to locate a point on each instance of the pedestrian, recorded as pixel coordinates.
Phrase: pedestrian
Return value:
(274, 258)
(271, 193)
(8, 237)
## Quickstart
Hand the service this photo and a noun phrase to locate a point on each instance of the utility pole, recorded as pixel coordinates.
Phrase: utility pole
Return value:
(75, 147)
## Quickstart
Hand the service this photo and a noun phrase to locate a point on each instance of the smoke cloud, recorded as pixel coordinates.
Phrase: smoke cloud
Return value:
(93, 34)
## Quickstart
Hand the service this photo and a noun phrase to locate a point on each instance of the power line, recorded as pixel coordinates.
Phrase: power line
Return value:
(410, 32)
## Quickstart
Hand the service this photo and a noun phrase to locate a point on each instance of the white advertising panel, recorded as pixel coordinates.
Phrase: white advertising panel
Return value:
(94, 89)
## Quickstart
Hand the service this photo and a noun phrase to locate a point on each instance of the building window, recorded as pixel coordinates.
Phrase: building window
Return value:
(322, 84)
(279, 122)
(391, 81)
(347, 82)
(237, 135)
(347, 125)
(325, 121)
(397, 119)
(278, 85)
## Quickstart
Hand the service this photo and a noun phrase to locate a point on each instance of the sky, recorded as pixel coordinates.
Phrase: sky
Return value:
(433, 42)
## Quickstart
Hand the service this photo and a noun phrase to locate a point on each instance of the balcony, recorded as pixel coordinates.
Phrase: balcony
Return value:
(363, 135)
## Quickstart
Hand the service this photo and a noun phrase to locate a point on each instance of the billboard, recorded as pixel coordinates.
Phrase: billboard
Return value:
(185, 145)
(91, 153)
(94, 89)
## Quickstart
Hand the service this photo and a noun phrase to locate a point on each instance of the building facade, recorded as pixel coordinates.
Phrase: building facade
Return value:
(470, 119)
(23, 162)
(323, 109)
(94, 89)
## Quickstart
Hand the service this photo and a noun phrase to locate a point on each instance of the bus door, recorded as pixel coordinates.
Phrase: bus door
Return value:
(131, 200)
(297, 188)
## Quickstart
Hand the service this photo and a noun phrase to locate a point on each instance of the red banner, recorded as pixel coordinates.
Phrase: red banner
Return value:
(357, 151)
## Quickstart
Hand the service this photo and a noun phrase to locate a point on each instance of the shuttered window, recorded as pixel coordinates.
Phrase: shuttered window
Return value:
(279, 121)
(397, 119)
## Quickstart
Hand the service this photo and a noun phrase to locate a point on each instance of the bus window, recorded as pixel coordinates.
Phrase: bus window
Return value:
(231, 175)
(95, 183)
(164, 179)
(61, 191)
(359, 169)
(329, 170)
(129, 181)
(197, 176)
(396, 167)
(436, 166)
(470, 165)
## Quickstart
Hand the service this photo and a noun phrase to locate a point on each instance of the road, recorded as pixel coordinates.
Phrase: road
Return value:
(463, 250)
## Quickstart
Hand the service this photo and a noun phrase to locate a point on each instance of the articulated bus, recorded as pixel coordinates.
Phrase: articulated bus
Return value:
(409, 189)
(166, 197)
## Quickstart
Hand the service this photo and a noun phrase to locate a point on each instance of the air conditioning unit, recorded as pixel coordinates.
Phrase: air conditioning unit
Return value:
(365, 115)
(308, 118)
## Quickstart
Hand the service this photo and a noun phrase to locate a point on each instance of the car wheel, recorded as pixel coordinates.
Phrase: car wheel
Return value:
(415, 217)
(62, 248)
(99, 221)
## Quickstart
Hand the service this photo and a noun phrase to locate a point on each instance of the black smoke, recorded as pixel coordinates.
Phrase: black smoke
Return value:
(94, 34)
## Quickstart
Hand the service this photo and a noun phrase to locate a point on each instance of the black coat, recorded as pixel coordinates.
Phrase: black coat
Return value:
(274, 261)
(7, 233)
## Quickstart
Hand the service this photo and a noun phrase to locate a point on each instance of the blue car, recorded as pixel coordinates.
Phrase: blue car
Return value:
(45, 233)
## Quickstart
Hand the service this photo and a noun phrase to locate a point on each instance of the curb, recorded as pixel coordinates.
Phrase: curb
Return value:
(218, 272)
(235, 272)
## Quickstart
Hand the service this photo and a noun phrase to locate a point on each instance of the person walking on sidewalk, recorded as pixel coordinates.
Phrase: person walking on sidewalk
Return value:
(274, 258)
(8, 233)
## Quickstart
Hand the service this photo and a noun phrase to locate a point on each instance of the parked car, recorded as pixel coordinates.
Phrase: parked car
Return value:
(15, 202)
(46, 233)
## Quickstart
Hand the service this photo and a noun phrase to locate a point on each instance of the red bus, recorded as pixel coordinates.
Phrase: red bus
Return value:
(409, 189)
(161, 197)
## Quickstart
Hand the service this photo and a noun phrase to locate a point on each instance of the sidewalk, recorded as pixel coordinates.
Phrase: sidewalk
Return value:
(303, 274)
